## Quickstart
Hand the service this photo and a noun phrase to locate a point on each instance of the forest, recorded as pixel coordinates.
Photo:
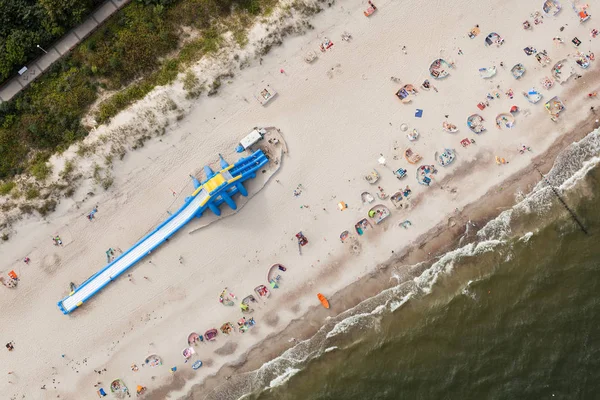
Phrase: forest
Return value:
(25, 24)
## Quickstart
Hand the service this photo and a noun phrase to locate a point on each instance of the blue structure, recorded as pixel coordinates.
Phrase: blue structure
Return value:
(218, 188)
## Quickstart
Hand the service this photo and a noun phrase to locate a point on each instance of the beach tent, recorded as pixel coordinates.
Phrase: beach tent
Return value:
(344, 235)
(379, 212)
(551, 7)
(488, 72)
(475, 123)
(210, 334)
(555, 106)
(494, 38)
(445, 158)
(581, 10)
(117, 386)
(266, 95)
(505, 119)
(424, 174)
(193, 338)
(310, 56)
(562, 70)
(226, 328)
(262, 291)
(188, 352)
(584, 16)
(582, 60)
(518, 71)
(532, 95)
(439, 69)
(362, 225)
(153, 360)
(274, 271)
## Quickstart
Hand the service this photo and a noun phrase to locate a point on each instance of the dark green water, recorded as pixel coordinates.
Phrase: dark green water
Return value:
(514, 315)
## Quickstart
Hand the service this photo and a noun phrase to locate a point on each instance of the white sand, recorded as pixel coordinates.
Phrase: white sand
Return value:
(335, 126)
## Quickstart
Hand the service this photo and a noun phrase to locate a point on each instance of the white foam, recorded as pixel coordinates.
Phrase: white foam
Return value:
(580, 174)
(395, 304)
(332, 348)
(525, 238)
(467, 292)
(347, 323)
(378, 310)
(283, 378)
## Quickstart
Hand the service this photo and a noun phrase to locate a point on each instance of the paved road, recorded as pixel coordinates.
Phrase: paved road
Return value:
(59, 49)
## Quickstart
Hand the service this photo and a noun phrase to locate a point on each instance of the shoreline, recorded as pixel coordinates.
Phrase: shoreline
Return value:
(437, 241)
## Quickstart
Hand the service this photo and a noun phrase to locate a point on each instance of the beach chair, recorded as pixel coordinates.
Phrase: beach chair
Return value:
(101, 393)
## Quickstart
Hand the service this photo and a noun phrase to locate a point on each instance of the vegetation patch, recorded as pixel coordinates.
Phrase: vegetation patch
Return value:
(32, 193)
(40, 170)
(133, 50)
(6, 187)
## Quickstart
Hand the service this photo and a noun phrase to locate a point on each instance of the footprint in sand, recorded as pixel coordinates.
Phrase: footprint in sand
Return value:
(272, 320)
(50, 263)
(355, 247)
(336, 70)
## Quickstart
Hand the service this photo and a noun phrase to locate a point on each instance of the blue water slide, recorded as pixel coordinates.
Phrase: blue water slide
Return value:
(194, 205)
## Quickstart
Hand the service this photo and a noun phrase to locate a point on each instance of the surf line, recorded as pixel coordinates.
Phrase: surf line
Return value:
(573, 215)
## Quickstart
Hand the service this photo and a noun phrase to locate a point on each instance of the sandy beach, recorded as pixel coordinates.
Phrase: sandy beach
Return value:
(338, 115)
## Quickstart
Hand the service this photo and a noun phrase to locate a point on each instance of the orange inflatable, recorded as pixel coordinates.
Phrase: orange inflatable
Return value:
(323, 300)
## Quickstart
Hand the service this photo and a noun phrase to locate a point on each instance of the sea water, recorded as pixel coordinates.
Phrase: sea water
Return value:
(514, 314)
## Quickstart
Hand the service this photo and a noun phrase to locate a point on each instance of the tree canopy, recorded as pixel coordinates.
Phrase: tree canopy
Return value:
(24, 24)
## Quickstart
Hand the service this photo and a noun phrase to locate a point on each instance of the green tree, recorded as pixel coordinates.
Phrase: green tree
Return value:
(66, 12)
(15, 50)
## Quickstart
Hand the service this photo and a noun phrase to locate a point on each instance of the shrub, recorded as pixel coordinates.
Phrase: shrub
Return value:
(47, 207)
(32, 193)
(68, 170)
(6, 187)
(41, 170)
